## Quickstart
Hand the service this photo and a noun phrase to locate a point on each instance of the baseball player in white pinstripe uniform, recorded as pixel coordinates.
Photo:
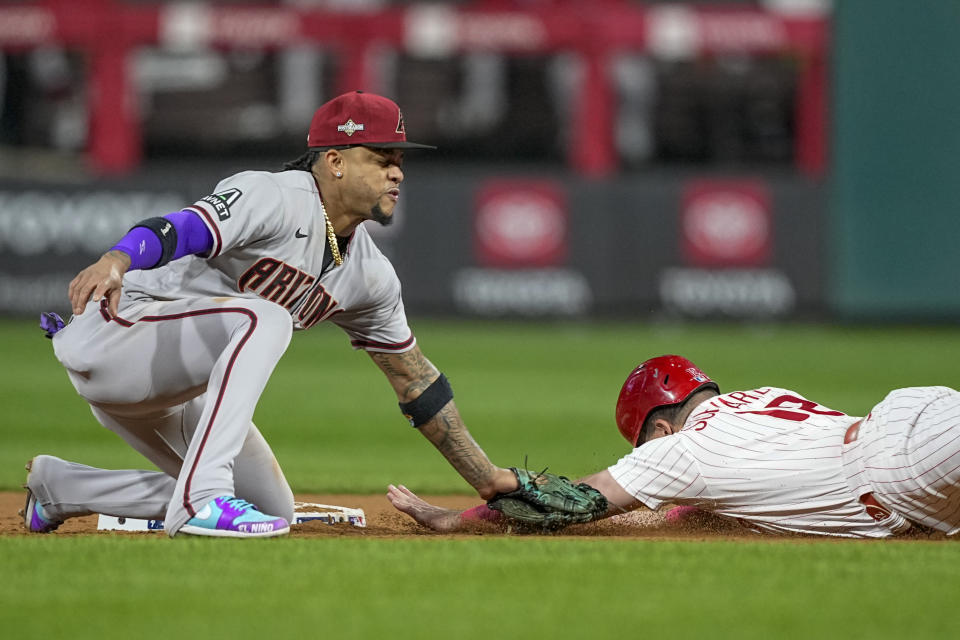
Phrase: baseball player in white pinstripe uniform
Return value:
(177, 329)
(771, 459)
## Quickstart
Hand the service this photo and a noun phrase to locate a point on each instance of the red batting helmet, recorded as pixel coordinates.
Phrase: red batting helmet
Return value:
(658, 382)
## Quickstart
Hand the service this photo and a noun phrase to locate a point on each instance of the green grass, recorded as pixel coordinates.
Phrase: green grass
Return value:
(547, 391)
(477, 588)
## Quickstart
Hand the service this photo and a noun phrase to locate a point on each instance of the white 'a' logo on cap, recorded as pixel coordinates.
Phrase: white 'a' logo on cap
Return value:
(349, 127)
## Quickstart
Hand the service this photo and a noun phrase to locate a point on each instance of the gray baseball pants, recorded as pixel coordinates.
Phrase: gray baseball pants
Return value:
(179, 381)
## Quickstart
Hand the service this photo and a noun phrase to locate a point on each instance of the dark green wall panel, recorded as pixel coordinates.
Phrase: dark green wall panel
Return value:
(896, 198)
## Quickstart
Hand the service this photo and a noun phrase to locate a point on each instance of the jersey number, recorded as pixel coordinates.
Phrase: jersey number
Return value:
(783, 407)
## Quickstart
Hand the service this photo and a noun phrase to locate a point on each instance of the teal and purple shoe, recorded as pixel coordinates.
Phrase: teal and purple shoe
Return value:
(35, 517)
(228, 516)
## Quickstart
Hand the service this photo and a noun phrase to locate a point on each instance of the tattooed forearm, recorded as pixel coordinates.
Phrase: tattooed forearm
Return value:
(409, 373)
(450, 436)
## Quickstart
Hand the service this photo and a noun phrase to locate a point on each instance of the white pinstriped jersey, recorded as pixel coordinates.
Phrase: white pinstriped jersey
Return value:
(269, 240)
(908, 454)
(767, 457)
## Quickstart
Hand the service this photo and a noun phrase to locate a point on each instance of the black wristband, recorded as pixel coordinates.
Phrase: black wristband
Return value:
(421, 409)
(166, 233)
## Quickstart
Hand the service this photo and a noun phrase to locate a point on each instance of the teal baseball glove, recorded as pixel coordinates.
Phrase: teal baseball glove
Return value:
(547, 502)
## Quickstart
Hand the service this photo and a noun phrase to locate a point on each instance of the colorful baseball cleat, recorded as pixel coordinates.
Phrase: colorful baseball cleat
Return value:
(35, 517)
(234, 517)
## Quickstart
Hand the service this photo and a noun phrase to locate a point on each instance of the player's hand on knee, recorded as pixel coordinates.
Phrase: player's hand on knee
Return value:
(102, 279)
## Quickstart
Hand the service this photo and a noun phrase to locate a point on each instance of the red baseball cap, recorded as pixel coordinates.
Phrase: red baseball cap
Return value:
(359, 118)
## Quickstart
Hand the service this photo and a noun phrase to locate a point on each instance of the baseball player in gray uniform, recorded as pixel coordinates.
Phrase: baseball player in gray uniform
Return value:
(770, 459)
(177, 329)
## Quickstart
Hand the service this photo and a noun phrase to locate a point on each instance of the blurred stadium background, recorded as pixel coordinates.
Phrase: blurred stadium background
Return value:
(752, 159)
(692, 176)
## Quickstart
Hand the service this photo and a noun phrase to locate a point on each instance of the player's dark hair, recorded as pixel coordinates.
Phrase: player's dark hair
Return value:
(304, 162)
(669, 412)
(673, 413)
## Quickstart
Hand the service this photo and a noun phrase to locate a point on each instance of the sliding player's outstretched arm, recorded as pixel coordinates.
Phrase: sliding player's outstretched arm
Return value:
(482, 517)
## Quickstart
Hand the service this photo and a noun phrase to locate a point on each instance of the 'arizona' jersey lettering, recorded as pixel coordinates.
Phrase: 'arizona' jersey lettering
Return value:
(269, 242)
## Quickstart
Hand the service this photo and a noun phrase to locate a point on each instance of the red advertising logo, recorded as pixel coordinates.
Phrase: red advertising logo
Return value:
(520, 223)
(726, 223)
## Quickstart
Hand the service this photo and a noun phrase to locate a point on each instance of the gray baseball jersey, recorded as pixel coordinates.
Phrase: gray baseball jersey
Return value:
(269, 240)
(178, 373)
(776, 461)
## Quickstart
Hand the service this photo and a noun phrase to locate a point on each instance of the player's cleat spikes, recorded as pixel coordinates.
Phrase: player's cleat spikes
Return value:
(228, 516)
(35, 518)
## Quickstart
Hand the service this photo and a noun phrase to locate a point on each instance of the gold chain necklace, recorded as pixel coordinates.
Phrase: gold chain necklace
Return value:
(331, 238)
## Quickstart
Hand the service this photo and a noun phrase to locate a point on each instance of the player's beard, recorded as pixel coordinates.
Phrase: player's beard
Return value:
(377, 215)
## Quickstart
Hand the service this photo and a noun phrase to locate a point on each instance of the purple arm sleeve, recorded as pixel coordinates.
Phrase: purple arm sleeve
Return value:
(193, 236)
(143, 245)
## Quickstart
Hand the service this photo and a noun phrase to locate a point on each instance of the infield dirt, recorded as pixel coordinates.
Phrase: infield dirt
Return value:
(383, 521)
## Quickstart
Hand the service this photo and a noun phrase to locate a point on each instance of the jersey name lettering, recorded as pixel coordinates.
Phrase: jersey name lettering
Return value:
(279, 282)
(735, 400)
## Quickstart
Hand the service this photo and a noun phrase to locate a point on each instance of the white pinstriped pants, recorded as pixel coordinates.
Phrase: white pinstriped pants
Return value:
(908, 453)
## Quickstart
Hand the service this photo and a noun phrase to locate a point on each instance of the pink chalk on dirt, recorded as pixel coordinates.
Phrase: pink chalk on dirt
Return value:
(679, 514)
